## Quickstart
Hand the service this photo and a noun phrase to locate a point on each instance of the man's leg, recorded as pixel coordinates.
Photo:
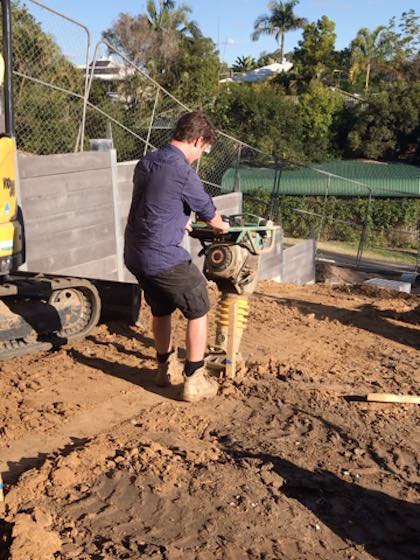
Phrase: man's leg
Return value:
(162, 334)
(196, 339)
(169, 369)
(198, 385)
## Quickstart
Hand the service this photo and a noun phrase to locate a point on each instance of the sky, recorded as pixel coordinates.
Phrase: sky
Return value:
(228, 22)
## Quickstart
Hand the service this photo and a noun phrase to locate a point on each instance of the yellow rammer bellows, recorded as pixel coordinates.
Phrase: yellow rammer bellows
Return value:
(222, 317)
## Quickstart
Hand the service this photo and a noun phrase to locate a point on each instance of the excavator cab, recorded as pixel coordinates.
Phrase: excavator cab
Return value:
(11, 231)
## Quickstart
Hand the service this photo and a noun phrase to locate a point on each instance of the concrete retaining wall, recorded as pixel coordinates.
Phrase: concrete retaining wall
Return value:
(68, 210)
(75, 208)
(299, 263)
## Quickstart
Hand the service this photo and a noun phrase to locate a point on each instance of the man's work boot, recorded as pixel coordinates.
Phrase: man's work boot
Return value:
(199, 386)
(169, 372)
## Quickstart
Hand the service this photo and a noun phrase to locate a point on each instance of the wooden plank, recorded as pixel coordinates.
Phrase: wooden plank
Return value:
(57, 164)
(56, 185)
(391, 398)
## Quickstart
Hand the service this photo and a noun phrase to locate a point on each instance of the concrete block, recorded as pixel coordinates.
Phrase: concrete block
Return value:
(390, 284)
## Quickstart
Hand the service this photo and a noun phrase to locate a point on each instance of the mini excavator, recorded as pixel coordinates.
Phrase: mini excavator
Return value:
(37, 312)
(232, 261)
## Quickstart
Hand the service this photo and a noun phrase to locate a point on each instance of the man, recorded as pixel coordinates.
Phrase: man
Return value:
(166, 190)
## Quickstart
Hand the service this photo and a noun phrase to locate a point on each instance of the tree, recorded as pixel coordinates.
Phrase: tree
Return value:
(404, 39)
(318, 109)
(195, 76)
(266, 58)
(408, 38)
(46, 120)
(369, 48)
(315, 57)
(244, 64)
(278, 22)
(169, 16)
(262, 116)
(387, 125)
(153, 40)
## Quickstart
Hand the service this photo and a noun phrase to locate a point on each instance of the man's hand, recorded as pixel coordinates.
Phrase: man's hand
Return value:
(223, 230)
(218, 225)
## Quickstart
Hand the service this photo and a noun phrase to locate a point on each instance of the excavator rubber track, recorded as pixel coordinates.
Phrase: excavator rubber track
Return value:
(40, 312)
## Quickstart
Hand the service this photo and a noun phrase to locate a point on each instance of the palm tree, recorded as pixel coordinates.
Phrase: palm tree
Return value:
(244, 64)
(167, 17)
(278, 22)
(367, 48)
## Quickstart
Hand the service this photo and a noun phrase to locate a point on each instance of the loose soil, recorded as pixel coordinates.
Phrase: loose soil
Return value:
(287, 462)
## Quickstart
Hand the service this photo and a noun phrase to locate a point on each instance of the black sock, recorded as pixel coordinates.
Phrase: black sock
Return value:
(192, 367)
(162, 358)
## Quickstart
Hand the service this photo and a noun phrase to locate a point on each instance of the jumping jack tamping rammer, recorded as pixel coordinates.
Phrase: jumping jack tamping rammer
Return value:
(232, 261)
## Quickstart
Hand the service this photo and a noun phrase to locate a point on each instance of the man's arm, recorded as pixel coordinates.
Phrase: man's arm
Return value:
(201, 202)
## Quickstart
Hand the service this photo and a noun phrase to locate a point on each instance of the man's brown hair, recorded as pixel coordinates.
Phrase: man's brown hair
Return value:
(192, 126)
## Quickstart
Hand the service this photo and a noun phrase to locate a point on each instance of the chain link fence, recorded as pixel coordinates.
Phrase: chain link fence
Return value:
(353, 223)
(62, 106)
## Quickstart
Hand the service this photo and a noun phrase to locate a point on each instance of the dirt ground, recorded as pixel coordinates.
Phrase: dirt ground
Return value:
(287, 462)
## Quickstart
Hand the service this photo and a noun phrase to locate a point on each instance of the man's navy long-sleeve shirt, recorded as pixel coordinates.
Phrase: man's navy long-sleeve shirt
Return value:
(166, 190)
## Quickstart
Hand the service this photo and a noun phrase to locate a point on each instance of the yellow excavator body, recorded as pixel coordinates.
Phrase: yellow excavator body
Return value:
(11, 242)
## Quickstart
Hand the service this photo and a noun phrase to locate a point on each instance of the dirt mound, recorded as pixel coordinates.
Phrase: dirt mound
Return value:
(283, 463)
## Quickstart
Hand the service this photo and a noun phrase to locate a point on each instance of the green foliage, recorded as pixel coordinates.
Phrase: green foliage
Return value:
(195, 76)
(318, 108)
(369, 49)
(266, 58)
(46, 121)
(244, 64)
(343, 217)
(170, 47)
(315, 57)
(387, 126)
(263, 116)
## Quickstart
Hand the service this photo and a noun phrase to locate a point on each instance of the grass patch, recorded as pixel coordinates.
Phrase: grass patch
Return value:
(374, 253)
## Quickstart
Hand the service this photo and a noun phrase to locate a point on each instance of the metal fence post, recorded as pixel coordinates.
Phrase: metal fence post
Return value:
(364, 233)
(152, 118)
(237, 181)
(321, 221)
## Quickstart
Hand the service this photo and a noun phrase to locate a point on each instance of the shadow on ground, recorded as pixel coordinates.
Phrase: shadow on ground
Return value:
(388, 528)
